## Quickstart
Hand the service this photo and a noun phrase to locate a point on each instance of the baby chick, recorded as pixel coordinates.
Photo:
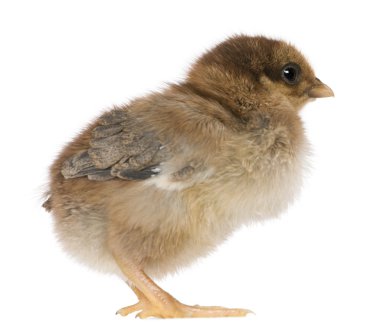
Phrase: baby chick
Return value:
(150, 186)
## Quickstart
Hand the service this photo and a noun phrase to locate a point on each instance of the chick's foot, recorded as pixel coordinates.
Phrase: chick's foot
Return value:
(175, 309)
(155, 302)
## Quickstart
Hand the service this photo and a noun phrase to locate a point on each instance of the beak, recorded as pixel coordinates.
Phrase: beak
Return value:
(320, 89)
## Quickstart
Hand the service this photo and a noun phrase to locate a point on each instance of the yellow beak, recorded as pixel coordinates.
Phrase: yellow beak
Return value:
(320, 90)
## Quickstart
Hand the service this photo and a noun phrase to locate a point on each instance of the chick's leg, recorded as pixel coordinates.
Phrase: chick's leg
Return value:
(155, 302)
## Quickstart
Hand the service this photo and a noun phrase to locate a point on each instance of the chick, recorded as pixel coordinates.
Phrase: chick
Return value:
(151, 186)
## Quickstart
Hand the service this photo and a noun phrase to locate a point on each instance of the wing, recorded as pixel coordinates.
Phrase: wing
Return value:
(120, 147)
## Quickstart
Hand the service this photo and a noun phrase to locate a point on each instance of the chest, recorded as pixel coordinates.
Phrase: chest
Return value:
(257, 180)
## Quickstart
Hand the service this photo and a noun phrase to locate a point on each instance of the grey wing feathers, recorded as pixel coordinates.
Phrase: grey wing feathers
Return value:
(120, 147)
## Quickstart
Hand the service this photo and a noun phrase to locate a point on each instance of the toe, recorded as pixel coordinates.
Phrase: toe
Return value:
(127, 310)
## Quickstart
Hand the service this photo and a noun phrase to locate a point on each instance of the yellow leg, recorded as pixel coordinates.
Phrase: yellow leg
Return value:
(155, 302)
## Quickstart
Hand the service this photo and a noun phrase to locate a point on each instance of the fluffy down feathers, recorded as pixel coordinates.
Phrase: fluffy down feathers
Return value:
(169, 176)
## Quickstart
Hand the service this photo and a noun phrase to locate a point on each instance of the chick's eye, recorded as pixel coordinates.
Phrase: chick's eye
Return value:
(290, 73)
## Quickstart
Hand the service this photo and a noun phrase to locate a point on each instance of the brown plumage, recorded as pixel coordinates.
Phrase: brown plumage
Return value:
(150, 186)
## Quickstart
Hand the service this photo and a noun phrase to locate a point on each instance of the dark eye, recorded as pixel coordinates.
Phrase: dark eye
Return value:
(290, 73)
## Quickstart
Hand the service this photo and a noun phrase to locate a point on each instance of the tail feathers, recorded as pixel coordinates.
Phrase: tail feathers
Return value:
(47, 204)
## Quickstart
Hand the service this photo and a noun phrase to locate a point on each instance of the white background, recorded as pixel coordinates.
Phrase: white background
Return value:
(63, 62)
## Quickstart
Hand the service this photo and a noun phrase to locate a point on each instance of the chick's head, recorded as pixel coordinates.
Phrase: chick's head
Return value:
(246, 72)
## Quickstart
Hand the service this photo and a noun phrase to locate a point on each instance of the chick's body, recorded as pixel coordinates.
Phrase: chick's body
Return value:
(155, 184)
